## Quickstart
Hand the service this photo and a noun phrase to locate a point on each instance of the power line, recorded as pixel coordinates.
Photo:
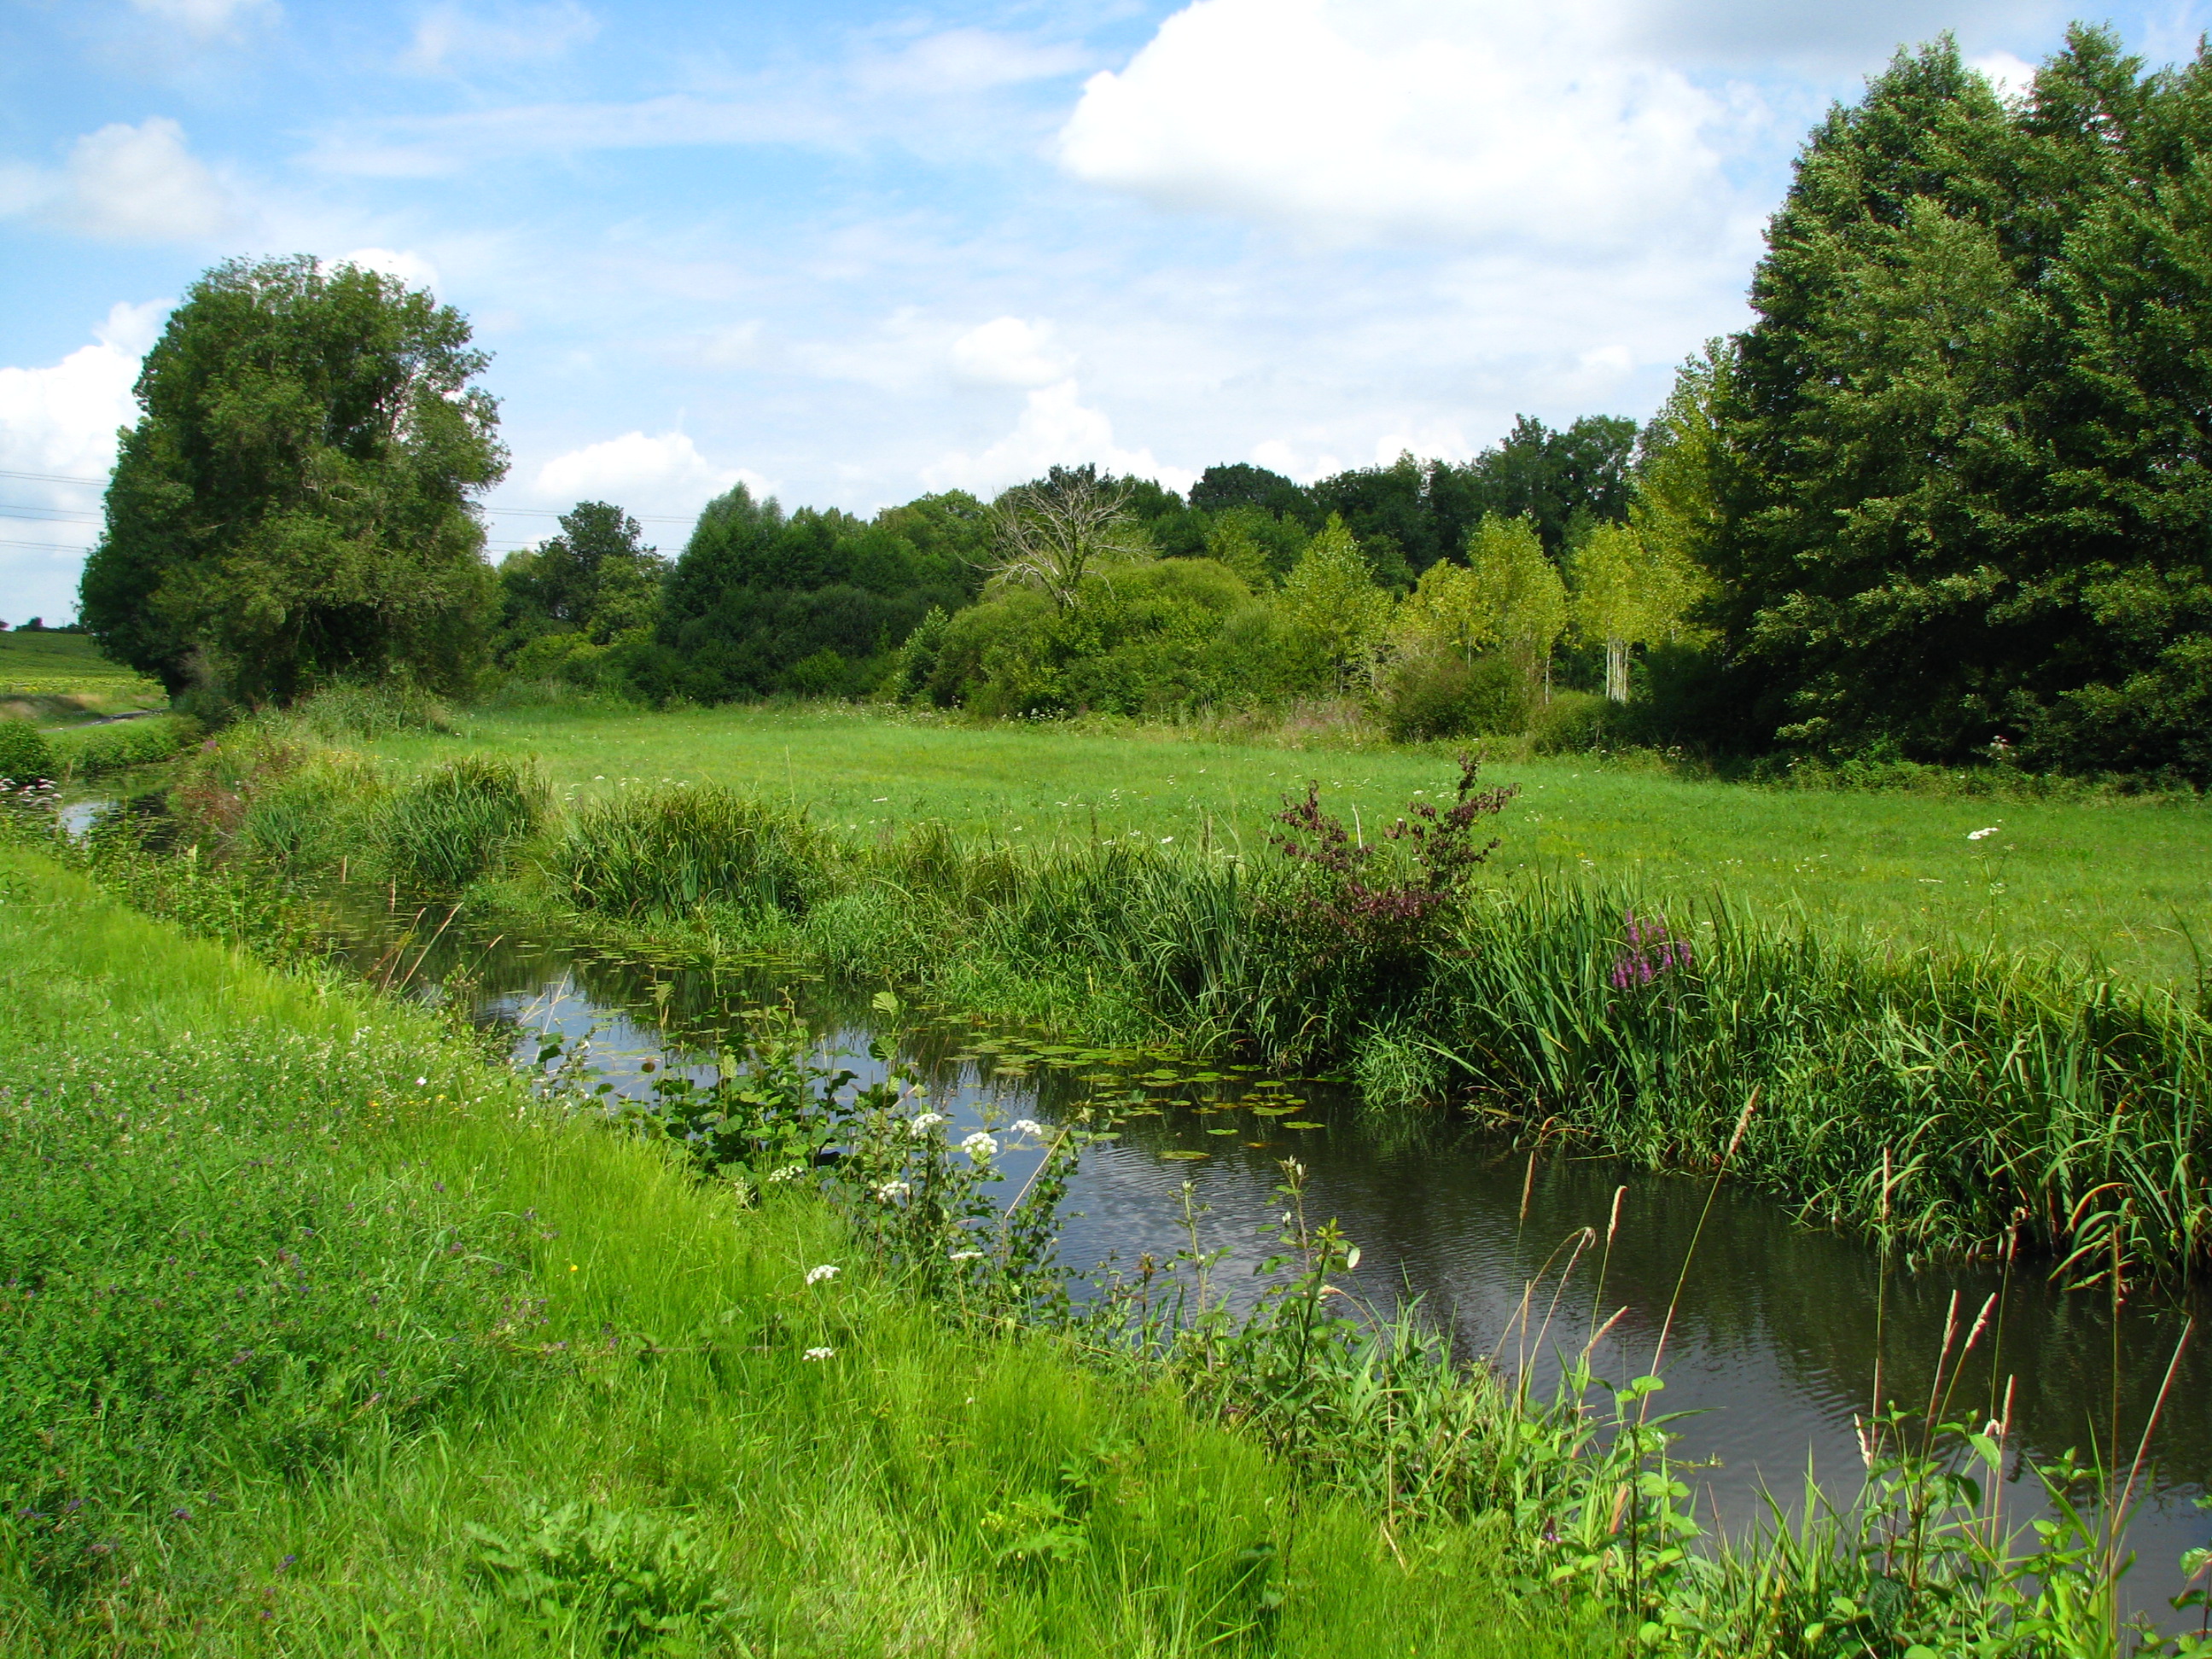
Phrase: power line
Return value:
(46, 547)
(509, 512)
(50, 477)
(49, 514)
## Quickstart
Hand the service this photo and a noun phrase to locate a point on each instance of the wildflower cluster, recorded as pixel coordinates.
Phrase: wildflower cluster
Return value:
(1648, 953)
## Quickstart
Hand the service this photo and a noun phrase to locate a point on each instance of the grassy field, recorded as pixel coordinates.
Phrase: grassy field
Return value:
(323, 1339)
(2124, 882)
(59, 674)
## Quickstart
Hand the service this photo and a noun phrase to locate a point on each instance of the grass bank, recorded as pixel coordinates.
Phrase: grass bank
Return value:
(2119, 882)
(1952, 1098)
(325, 1337)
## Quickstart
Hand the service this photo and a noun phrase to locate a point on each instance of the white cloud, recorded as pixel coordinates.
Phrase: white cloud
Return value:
(666, 474)
(449, 37)
(60, 421)
(205, 18)
(1008, 351)
(127, 184)
(1477, 122)
(411, 269)
(2013, 77)
(964, 61)
(1056, 428)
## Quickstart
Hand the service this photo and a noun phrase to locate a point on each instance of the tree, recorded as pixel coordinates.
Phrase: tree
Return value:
(1052, 534)
(1627, 592)
(296, 502)
(1448, 611)
(1331, 605)
(1518, 593)
(1966, 447)
(597, 578)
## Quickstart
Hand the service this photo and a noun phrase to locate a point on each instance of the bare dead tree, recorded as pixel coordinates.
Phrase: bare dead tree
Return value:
(1050, 535)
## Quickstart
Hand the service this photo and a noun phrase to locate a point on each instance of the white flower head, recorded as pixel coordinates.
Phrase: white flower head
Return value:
(924, 1122)
(1026, 1126)
(816, 1275)
(965, 1255)
(788, 1172)
(819, 1353)
(1978, 834)
(891, 1191)
(979, 1146)
(422, 1082)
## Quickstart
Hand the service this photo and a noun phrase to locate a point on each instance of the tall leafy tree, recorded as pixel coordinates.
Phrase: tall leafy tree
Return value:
(1965, 446)
(1331, 606)
(597, 578)
(1517, 597)
(294, 503)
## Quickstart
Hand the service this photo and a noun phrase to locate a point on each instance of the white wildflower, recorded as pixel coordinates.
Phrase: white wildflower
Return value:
(816, 1275)
(1164, 839)
(965, 1255)
(891, 1191)
(981, 1147)
(924, 1122)
(422, 1082)
(819, 1353)
(1026, 1126)
(1978, 834)
(788, 1172)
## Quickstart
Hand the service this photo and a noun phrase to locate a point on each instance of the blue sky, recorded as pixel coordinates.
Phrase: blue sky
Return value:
(853, 252)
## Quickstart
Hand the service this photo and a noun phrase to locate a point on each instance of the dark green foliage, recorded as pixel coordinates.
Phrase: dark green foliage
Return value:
(756, 593)
(1964, 493)
(596, 580)
(1573, 723)
(25, 753)
(669, 850)
(1424, 510)
(1222, 487)
(90, 751)
(1443, 695)
(293, 503)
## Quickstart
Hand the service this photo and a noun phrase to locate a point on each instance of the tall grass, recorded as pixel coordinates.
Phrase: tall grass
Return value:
(669, 851)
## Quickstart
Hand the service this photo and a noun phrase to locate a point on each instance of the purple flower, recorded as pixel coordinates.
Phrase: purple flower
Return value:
(1648, 951)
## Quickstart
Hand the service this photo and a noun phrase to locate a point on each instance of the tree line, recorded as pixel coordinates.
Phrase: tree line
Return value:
(1948, 495)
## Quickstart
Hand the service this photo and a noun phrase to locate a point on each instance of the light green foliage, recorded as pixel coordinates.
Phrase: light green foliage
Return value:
(1257, 544)
(1448, 611)
(294, 504)
(1334, 616)
(1517, 597)
(669, 850)
(91, 752)
(1627, 591)
(69, 670)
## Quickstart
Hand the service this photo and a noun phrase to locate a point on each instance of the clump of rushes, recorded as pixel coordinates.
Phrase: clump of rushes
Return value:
(669, 850)
(460, 823)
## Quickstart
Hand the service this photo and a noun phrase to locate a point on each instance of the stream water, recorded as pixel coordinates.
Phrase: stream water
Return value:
(1778, 1328)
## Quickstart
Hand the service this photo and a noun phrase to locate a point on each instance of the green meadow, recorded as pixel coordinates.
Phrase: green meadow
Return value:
(2123, 881)
(42, 669)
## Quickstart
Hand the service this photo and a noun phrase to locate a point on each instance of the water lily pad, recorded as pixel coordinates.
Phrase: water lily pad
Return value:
(1225, 1132)
(1259, 1145)
(1144, 1111)
(1184, 1157)
(1302, 1123)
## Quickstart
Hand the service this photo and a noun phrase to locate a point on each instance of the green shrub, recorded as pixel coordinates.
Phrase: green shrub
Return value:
(363, 712)
(90, 751)
(460, 823)
(1572, 723)
(672, 849)
(1446, 696)
(304, 817)
(25, 753)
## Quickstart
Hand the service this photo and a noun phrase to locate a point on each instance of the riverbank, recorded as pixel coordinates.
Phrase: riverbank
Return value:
(356, 1348)
(1949, 1099)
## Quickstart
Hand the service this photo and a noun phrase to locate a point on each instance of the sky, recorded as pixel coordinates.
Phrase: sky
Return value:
(848, 252)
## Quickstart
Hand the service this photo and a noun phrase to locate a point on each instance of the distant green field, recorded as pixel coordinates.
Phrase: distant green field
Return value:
(2124, 882)
(48, 665)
